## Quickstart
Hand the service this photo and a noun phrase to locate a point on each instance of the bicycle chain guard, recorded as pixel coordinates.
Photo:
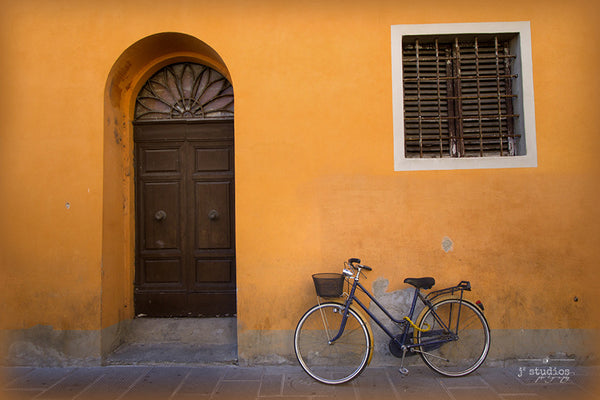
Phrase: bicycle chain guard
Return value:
(395, 348)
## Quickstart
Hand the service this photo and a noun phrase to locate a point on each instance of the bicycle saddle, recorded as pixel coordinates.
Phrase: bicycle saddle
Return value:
(421, 283)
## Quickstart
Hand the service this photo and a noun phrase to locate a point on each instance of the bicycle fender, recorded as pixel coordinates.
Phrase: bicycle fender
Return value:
(362, 315)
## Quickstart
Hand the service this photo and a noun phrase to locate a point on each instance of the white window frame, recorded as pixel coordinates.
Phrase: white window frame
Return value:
(524, 106)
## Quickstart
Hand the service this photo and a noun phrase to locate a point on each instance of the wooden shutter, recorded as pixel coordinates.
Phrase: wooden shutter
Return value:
(458, 97)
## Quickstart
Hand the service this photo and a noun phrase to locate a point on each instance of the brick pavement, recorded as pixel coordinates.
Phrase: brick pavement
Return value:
(285, 382)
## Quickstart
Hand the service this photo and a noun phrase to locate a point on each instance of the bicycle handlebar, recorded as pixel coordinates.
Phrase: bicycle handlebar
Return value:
(352, 261)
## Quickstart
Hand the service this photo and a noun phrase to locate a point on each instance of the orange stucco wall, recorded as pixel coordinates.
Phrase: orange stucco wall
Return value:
(315, 182)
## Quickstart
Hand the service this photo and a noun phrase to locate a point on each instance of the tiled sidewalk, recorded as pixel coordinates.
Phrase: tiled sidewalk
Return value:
(284, 382)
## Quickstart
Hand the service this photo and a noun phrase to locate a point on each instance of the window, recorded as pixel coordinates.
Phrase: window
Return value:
(185, 91)
(463, 96)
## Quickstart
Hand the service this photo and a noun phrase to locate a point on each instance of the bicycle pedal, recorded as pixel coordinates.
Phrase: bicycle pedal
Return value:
(403, 371)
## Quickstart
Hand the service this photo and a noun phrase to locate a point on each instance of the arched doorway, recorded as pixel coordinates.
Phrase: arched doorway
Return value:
(124, 337)
(184, 166)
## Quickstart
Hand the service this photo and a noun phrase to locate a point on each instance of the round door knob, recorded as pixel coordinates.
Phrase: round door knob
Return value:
(160, 215)
(213, 214)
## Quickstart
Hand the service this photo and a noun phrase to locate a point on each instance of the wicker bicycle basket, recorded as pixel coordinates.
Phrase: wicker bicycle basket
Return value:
(329, 285)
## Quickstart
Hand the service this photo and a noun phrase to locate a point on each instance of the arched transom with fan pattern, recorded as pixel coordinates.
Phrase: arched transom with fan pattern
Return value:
(185, 91)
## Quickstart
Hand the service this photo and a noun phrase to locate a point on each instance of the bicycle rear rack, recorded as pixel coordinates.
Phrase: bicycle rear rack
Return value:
(462, 286)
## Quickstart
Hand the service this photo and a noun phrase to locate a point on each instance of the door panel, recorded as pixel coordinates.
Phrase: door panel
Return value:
(212, 215)
(213, 160)
(160, 304)
(160, 160)
(161, 213)
(212, 304)
(185, 247)
(163, 271)
(213, 271)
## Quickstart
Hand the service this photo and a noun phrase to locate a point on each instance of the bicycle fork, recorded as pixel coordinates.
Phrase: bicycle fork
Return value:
(346, 310)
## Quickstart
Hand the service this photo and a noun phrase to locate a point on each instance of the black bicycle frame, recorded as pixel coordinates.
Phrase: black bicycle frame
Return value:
(402, 341)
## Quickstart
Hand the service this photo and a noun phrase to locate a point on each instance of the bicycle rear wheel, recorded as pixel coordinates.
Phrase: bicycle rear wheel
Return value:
(340, 361)
(461, 350)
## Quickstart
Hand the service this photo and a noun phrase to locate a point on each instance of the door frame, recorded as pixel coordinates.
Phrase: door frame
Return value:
(129, 72)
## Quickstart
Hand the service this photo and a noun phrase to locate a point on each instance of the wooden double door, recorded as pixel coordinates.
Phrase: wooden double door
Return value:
(185, 228)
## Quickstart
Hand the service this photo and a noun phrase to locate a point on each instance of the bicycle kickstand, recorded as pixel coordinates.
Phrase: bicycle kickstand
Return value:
(402, 369)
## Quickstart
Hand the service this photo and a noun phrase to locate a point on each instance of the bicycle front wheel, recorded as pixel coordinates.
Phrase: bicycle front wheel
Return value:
(458, 337)
(341, 360)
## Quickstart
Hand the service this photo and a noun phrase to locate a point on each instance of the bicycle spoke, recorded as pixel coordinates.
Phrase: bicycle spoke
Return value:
(432, 355)
(469, 344)
(339, 361)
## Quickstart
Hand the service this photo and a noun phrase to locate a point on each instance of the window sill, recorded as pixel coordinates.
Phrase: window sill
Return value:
(432, 164)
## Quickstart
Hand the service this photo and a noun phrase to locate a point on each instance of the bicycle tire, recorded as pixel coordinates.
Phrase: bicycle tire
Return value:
(340, 361)
(468, 351)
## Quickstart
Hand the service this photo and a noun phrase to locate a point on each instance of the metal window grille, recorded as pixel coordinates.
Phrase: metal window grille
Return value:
(458, 97)
(187, 91)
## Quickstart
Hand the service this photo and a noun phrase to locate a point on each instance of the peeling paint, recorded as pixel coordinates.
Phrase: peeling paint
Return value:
(46, 346)
(447, 244)
(397, 303)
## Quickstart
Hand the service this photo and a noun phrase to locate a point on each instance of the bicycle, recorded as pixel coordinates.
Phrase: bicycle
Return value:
(333, 340)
